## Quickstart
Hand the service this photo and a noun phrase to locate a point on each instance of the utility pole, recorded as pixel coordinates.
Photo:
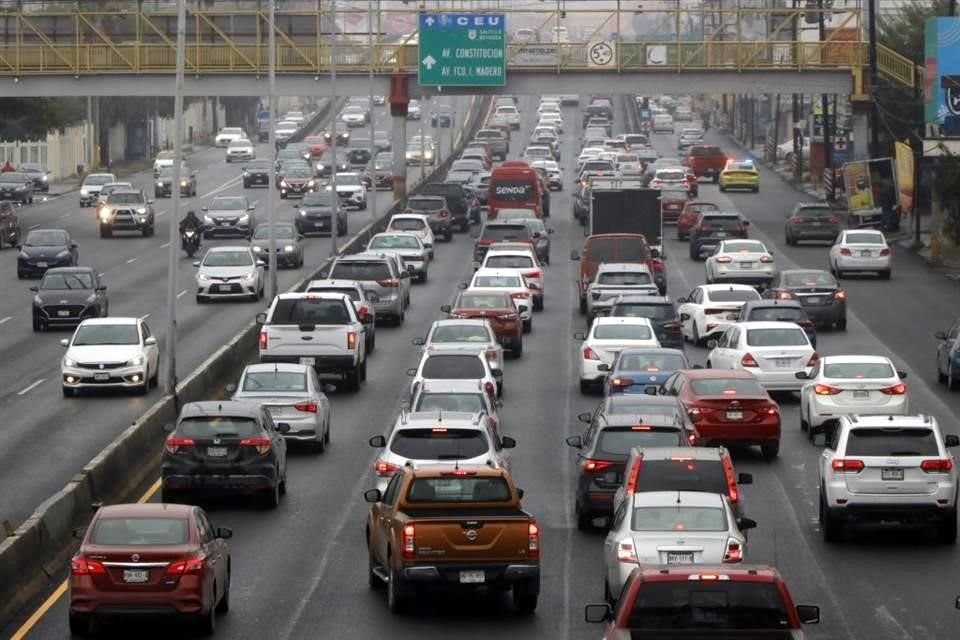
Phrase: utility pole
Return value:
(874, 111)
(374, 55)
(174, 245)
(830, 193)
(797, 131)
(334, 196)
(272, 144)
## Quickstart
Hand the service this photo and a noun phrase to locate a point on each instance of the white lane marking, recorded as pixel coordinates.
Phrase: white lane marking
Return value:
(100, 275)
(6, 319)
(33, 226)
(142, 318)
(164, 245)
(225, 185)
(181, 293)
(66, 215)
(32, 386)
(567, 500)
(132, 260)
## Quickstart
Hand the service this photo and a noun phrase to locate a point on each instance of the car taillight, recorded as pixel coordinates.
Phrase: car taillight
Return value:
(701, 229)
(532, 274)
(797, 219)
(672, 326)
(626, 552)
(533, 540)
(176, 445)
(723, 259)
(619, 382)
(937, 465)
(409, 533)
(263, 340)
(81, 566)
(740, 229)
(493, 423)
(391, 283)
(596, 466)
(260, 443)
(444, 213)
(734, 552)
(490, 389)
(826, 390)
(840, 295)
(766, 259)
(384, 468)
(733, 491)
(658, 264)
(632, 476)
(351, 340)
(519, 295)
(748, 361)
(896, 390)
(847, 465)
(784, 295)
(814, 359)
(845, 252)
(884, 252)
(362, 312)
(696, 414)
(590, 354)
(186, 566)
(309, 407)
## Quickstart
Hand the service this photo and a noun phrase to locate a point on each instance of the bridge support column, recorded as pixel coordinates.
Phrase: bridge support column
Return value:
(399, 99)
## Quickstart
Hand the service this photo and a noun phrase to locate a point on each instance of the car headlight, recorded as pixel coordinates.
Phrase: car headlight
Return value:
(143, 219)
(319, 166)
(283, 183)
(84, 192)
(91, 298)
(311, 183)
(202, 277)
(159, 184)
(207, 219)
(104, 213)
(44, 178)
(246, 174)
(142, 210)
(183, 183)
(69, 362)
(63, 254)
(37, 300)
(250, 277)
(244, 219)
(303, 212)
(135, 361)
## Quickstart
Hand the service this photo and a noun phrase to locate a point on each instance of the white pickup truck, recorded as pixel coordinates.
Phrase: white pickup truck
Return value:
(318, 329)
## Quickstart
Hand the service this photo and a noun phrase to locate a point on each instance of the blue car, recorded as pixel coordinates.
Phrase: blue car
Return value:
(636, 369)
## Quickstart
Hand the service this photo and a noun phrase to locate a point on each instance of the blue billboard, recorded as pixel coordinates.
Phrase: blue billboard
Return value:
(942, 63)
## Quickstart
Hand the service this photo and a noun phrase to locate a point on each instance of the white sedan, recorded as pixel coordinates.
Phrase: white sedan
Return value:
(522, 262)
(227, 135)
(415, 223)
(470, 334)
(710, 308)
(851, 385)
(110, 353)
(514, 283)
(774, 352)
(747, 261)
(241, 149)
(604, 342)
(861, 250)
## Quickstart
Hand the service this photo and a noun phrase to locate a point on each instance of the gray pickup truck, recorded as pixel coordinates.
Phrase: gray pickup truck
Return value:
(496, 140)
(317, 329)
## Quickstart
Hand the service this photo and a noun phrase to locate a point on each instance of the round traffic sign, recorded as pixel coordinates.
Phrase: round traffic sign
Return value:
(601, 54)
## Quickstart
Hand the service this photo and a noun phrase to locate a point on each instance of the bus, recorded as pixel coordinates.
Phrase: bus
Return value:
(514, 185)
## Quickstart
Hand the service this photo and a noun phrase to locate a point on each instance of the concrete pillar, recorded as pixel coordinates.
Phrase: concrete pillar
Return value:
(399, 99)
(861, 135)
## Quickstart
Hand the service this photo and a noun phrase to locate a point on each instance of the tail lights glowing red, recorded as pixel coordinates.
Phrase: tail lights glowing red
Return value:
(187, 566)
(409, 542)
(825, 390)
(814, 359)
(734, 552)
(840, 295)
(263, 340)
(351, 340)
(626, 552)
(81, 566)
(847, 465)
(632, 476)
(590, 354)
(766, 259)
(733, 491)
(488, 386)
(845, 252)
(261, 444)
(177, 445)
(390, 283)
(307, 407)
(896, 390)
(937, 465)
(723, 259)
(384, 468)
(533, 540)
(747, 360)
(596, 466)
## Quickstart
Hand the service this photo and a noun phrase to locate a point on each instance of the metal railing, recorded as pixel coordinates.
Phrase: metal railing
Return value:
(898, 67)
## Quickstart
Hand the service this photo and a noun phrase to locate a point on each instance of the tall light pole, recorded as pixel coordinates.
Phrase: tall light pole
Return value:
(374, 55)
(174, 246)
(272, 143)
(334, 196)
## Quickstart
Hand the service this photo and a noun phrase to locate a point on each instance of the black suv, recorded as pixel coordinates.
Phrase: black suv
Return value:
(713, 226)
(257, 172)
(224, 447)
(816, 290)
(456, 200)
(812, 221)
(602, 453)
(437, 212)
(778, 310)
(126, 210)
(661, 312)
(163, 187)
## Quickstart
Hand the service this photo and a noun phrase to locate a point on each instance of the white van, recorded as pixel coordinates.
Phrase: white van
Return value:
(663, 123)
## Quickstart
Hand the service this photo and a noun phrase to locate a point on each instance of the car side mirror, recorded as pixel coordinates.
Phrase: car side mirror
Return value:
(957, 603)
(575, 441)
(801, 375)
(197, 263)
(168, 427)
(651, 390)
(34, 288)
(412, 371)
(809, 613)
(603, 367)
(497, 373)
(372, 495)
(324, 273)
(261, 263)
(204, 209)
(901, 374)
(579, 335)
(64, 342)
(73, 245)
(746, 223)
(445, 308)
(283, 427)
(550, 231)
(585, 417)
(698, 366)
(745, 524)
(252, 207)
(262, 318)
(463, 285)
(654, 253)
(102, 287)
(745, 478)
(681, 300)
(597, 613)
(939, 335)
(150, 340)
(224, 533)
(507, 442)
(711, 344)
(575, 256)
(419, 342)
(377, 441)
(951, 440)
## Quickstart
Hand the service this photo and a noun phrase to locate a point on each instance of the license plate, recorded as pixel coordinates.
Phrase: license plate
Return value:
(63, 313)
(223, 224)
(100, 377)
(226, 288)
(864, 254)
(721, 234)
(216, 452)
(321, 225)
(734, 415)
(861, 394)
(816, 224)
(746, 265)
(678, 557)
(783, 363)
(813, 300)
(42, 265)
(891, 474)
(472, 577)
(136, 575)
(308, 361)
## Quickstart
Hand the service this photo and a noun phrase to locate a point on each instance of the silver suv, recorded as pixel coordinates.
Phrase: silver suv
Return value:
(883, 468)
(380, 274)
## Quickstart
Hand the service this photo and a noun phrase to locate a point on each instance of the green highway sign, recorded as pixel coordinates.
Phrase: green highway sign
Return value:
(462, 50)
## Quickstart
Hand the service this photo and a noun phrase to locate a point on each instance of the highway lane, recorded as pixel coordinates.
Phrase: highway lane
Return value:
(300, 571)
(46, 439)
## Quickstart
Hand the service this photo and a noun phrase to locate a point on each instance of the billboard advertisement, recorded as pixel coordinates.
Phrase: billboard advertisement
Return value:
(856, 180)
(904, 159)
(942, 82)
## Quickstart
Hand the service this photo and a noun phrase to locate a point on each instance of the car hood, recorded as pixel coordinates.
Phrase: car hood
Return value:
(225, 272)
(70, 296)
(264, 243)
(225, 213)
(317, 209)
(350, 187)
(10, 183)
(104, 352)
(42, 251)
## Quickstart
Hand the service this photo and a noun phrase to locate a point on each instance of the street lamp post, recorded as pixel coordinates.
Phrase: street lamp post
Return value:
(374, 55)
(272, 143)
(334, 197)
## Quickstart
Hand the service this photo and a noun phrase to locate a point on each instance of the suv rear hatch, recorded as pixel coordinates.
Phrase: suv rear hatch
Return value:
(292, 328)
(891, 460)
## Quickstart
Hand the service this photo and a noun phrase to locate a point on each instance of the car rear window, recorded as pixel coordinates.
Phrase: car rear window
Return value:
(439, 443)
(858, 370)
(682, 474)
(721, 223)
(809, 279)
(777, 314)
(509, 262)
(651, 311)
(453, 367)
(310, 311)
(706, 151)
(467, 402)
(622, 332)
(460, 333)
(626, 278)
(651, 362)
(360, 271)
(726, 387)
(678, 519)
(407, 224)
(815, 212)
(864, 238)
(477, 301)
(140, 532)
(424, 204)
(777, 337)
(496, 281)
(503, 232)
(868, 441)
(459, 489)
(693, 604)
(211, 426)
(620, 440)
(734, 295)
(275, 381)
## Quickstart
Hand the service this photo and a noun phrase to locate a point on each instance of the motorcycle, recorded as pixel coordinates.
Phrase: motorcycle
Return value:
(190, 241)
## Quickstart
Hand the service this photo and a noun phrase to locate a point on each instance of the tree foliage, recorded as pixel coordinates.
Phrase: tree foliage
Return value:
(33, 118)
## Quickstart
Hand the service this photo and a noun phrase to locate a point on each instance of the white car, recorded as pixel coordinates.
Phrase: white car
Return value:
(510, 114)
(548, 107)
(415, 223)
(604, 342)
(513, 283)
(663, 123)
(851, 385)
(554, 120)
(410, 248)
(710, 308)
(861, 250)
(110, 353)
(747, 261)
(240, 149)
(295, 117)
(671, 528)
(229, 272)
(351, 190)
(91, 185)
(615, 279)
(774, 352)
(413, 110)
(554, 172)
(524, 263)
(354, 116)
(470, 334)
(284, 130)
(442, 364)
(163, 159)
(228, 135)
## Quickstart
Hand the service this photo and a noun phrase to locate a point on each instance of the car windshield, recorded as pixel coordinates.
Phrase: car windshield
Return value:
(478, 301)
(651, 311)
(348, 180)
(858, 370)
(744, 246)
(99, 180)
(503, 233)
(67, 280)
(459, 489)
(361, 143)
(622, 332)
(218, 426)
(625, 278)
(425, 204)
(365, 271)
(281, 232)
(702, 206)
(461, 333)
(864, 238)
(509, 262)
(727, 387)
(228, 259)
(729, 605)
(778, 314)
(394, 242)
(466, 402)
(678, 518)
(258, 165)
(46, 239)
(298, 172)
(651, 362)
(453, 367)
(640, 403)
(439, 443)
(887, 442)
(620, 440)
(310, 310)
(317, 199)
(496, 281)
(802, 279)
(140, 532)
(795, 337)
(733, 295)
(228, 204)
(407, 224)
(13, 177)
(125, 198)
(103, 334)
(274, 381)
(239, 143)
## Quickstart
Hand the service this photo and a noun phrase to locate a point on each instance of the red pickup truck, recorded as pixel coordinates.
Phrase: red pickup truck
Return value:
(706, 160)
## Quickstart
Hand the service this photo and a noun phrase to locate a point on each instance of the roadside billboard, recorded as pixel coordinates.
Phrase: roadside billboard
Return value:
(942, 82)
(533, 55)
(904, 159)
(867, 185)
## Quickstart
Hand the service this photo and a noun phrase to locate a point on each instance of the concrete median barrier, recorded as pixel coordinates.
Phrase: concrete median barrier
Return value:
(38, 548)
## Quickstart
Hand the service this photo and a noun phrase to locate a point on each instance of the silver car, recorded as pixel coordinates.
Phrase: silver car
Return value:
(614, 279)
(241, 149)
(229, 272)
(409, 246)
(474, 334)
(363, 301)
(457, 395)
(671, 527)
(380, 274)
(292, 394)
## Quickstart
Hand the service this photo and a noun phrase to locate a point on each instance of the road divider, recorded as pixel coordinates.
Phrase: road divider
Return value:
(39, 547)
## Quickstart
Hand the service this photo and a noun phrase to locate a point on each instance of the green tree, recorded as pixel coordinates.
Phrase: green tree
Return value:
(33, 118)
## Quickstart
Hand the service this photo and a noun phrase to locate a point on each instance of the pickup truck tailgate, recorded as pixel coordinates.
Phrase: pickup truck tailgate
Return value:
(304, 340)
(473, 538)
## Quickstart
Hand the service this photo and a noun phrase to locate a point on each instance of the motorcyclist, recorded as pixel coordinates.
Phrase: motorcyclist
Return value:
(190, 221)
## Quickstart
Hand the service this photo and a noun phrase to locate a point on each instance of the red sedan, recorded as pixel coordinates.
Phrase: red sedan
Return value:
(726, 407)
(498, 308)
(672, 202)
(688, 216)
(163, 560)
